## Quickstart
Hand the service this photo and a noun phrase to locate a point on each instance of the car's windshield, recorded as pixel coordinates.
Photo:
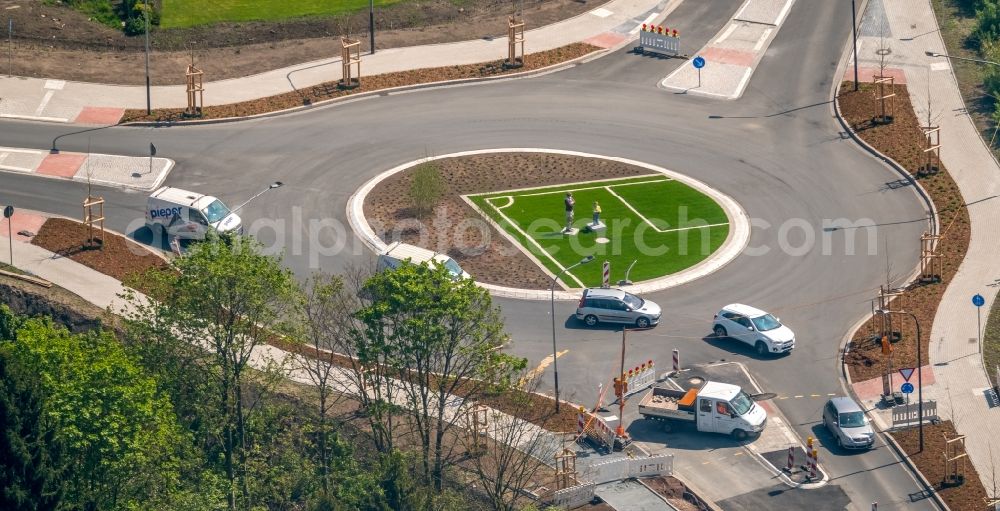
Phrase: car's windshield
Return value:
(852, 420)
(453, 267)
(633, 301)
(742, 403)
(215, 211)
(766, 322)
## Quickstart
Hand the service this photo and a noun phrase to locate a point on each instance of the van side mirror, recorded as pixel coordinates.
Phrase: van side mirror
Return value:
(750, 328)
(732, 415)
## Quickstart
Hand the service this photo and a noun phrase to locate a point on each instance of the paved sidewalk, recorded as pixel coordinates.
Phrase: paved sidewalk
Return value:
(102, 291)
(733, 54)
(910, 30)
(607, 26)
(137, 173)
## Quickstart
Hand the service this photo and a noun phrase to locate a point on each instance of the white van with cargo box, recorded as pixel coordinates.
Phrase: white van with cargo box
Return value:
(188, 215)
(397, 252)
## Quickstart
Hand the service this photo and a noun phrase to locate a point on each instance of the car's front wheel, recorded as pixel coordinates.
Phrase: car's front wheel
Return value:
(720, 331)
(739, 434)
(590, 320)
(642, 322)
(761, 348)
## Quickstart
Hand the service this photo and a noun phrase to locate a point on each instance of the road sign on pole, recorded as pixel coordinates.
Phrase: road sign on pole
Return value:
(979, 301)
(7, 213)
(698, 62)
(906, 388)
(906, 372)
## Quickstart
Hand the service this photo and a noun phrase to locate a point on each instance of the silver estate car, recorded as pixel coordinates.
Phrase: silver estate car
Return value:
(606, 305)
(848, 423)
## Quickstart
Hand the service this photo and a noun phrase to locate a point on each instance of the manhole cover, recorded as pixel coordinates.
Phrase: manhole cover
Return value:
(696, 380)
(883, 51)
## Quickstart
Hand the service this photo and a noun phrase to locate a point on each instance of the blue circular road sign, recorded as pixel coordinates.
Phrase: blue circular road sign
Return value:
(907, 388)
(978, 300)
(698, 62)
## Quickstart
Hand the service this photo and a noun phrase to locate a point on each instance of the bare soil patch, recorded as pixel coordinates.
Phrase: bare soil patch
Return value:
(486, 255)
(64, 307)
(55, 41)
(967, 496)
(903, 141)
(330, 90)
(118, 257)
(679, 496)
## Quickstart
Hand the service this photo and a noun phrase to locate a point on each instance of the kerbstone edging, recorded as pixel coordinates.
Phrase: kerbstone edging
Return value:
(384, 92)
(736, 240)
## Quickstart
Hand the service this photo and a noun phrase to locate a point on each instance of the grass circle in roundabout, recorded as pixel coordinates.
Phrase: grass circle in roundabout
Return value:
(662, 227)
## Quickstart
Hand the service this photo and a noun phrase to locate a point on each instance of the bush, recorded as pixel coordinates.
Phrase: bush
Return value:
(426, 189)
(135, 26)
(988, 17)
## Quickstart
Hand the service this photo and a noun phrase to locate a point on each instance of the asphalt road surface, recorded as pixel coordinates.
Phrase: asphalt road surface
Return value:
(778, 151)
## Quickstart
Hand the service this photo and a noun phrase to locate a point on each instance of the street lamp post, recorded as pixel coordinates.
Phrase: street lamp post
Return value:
(272, 186)
(552, 301)
(149, 108)
(920, 379)
(854, 28)
(371, 23)
(953, 57)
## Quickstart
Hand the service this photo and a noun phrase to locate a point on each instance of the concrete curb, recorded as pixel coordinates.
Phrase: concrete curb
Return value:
(152, 250)
(381, 92)
(736, 241)
(845, 373)
(780, 474)
(712, 506)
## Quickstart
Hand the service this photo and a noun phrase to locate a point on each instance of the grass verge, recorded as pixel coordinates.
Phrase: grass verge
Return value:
(967, 496)
(330, 90)
(957, 21)
(189, 13)
(903, 140)
(991, 343)
(659, 223)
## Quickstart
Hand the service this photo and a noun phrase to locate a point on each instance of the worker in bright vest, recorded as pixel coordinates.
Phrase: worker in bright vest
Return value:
(597, 213)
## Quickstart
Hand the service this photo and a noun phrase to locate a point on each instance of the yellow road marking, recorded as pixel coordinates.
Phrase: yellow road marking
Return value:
(546, 362)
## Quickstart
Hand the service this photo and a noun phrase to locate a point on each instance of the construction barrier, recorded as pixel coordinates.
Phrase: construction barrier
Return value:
(813, 460)
(594, 427)
(639, 378)
(677, 360)
(624, 468)
(658, 39)
(572, 497)
(791, 459)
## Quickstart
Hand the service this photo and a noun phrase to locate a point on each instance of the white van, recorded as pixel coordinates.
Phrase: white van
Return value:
(188, 215)
(397, 252)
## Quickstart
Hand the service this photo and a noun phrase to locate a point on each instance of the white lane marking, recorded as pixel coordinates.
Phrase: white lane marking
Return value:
(783, 13)
(601, 12)
(54, 84)
(590, 188)
(939, 66)
(513, 191)
(510, 201)
(649, 19)
(33, 118)
(18, 150)
(706, 226)
(743, 83)
(45, 101)
(725, 35)
(763, 38)
(629, 206)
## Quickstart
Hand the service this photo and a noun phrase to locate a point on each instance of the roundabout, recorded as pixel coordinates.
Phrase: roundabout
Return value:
(777, 152)
(673, 228)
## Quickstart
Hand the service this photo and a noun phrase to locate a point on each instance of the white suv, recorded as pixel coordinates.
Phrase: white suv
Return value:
(755, 327)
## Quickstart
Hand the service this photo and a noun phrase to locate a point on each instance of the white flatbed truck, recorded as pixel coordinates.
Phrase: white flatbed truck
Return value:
(713, 407)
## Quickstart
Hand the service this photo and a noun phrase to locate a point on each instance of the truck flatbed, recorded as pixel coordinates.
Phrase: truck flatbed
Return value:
(666, 403)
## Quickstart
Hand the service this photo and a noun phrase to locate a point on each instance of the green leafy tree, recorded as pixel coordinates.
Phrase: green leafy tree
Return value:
(31, 455)
(216, 308)
(442, 338)
(119, 432)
